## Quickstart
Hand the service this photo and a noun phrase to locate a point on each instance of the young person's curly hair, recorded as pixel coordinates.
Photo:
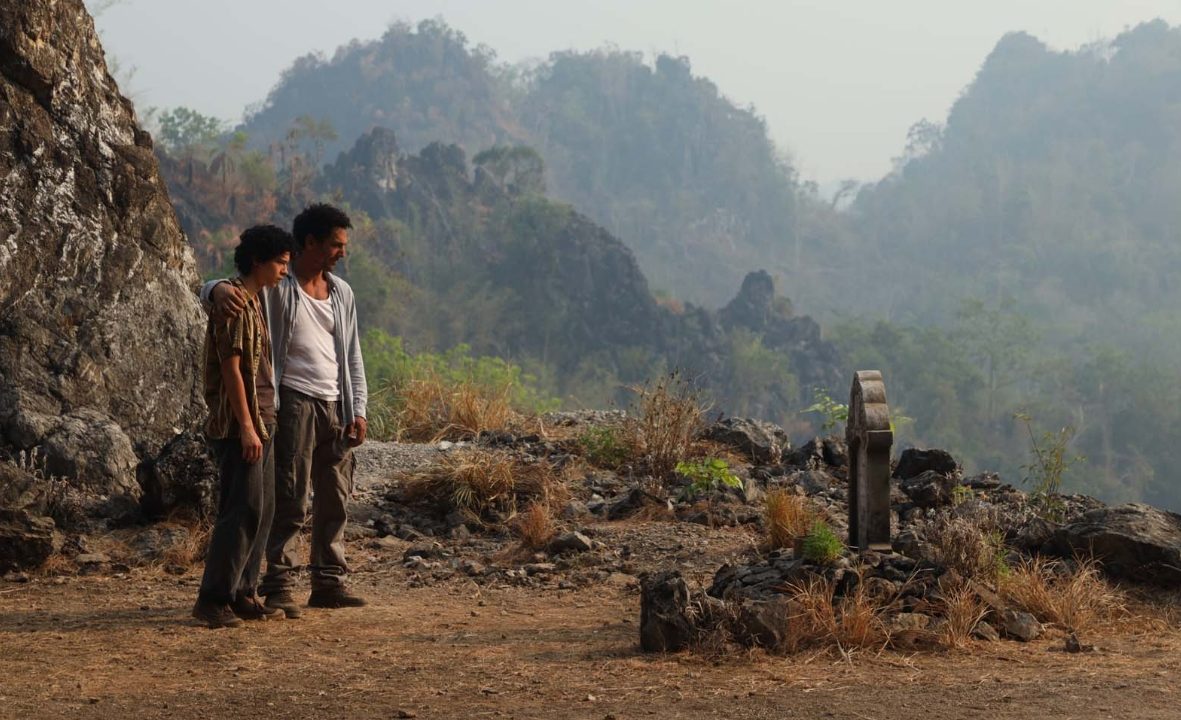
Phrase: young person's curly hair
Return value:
(318, 221)
(259, 244)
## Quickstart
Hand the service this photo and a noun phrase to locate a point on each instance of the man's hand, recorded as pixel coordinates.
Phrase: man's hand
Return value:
(355, 431)
(251, 446)
(228, 301)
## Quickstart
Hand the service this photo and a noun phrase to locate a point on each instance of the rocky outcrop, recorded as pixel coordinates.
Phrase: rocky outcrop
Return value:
(556, 286)
(914, 462)
(666, 617)
(1134, 542)
(25, 540)
(99, 327)
(761, 442)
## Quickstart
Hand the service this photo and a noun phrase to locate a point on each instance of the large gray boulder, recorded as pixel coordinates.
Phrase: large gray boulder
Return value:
(1135, 542)
(915, 461)
(99, 329)
(761, 442)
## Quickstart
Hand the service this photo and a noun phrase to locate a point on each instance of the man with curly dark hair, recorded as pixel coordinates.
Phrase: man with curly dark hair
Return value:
(240, 394)
(322, 399)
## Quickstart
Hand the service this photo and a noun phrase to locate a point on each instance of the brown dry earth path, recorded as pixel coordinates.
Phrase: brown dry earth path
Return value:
(123, 647)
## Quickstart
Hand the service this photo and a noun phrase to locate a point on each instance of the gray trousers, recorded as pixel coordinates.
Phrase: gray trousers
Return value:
(246, 503)
(313, 461)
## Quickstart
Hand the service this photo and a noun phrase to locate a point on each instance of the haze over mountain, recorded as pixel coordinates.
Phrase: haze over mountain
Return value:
(1017, 258)
(839, 83)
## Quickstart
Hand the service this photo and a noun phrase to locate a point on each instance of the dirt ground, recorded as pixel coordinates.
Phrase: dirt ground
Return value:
(124, 647)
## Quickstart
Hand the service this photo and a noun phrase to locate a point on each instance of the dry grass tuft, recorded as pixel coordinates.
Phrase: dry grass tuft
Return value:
(190, 551)
(1072, 596)
(855, 620)
(817, 618)
(534, 526)
(661, 428)
(967, 547)
(56, 564)
(431, 409)
(962, 612)
(480, 481)
(860, 623)
(788, 518)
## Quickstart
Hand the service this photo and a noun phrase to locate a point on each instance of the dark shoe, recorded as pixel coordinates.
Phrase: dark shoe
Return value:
(336, 597)
(284, 601)
(248, 607)
(215, 615)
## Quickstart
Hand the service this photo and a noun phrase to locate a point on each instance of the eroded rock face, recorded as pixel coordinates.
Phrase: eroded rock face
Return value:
(666, 618)
(1133, 542)
(762, 442)
(25, 540)
(99, 327)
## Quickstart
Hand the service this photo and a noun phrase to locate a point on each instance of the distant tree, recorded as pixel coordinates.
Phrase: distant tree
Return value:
(183, 128)
(518, 169)
(317, 132)
(228, 156)
(1001, 340)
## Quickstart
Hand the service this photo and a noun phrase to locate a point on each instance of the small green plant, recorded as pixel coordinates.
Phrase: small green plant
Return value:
(1050, 462)
(1000, 553)
(708, 475)
(604, 446)
(830, 410)
(821, 545)
(961, 494)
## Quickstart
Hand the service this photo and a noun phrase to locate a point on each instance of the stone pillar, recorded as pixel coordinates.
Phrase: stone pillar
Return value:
(868, 434)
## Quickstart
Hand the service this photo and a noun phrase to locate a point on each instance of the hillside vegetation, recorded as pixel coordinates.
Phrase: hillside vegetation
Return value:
(572, 216)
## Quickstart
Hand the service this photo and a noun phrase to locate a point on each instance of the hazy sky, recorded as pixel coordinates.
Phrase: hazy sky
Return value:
(838, 81)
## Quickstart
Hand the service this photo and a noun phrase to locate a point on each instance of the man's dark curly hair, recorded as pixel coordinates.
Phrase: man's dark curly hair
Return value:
(319, 221)
(260, 244)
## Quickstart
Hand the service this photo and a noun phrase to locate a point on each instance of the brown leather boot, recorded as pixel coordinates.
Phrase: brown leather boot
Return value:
(215, 614)
(285, 601)
(248, 607)
(335, 597)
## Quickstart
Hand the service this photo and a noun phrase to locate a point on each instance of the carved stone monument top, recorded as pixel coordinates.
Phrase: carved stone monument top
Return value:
(868, 434)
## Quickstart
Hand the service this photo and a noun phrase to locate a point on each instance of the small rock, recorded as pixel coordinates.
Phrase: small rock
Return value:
(1074, 646)
(910, 621)
(984, 481)
(353, 531)
(385, 542)
(406, 714)
(92, 559)
(424, 552)
(1020, 625)
(574, 510)
(621, 580)
(929, 489)
(985, 631)
(570, 542)
(16, 577)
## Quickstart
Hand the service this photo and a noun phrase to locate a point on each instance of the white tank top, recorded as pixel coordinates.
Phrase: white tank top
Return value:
(311, 352)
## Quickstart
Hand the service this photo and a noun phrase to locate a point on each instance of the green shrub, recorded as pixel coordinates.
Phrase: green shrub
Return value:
(707, 475)
(1048, 466)
(604, 446)
(832, 412)
(390, 370)
(821, 545)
